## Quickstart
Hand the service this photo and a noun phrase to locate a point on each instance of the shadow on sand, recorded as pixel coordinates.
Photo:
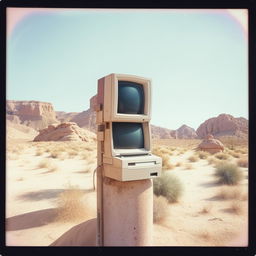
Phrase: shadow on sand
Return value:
(41, 194)
(46, 194)
(31, 219)
(210, 184)
(83, 234)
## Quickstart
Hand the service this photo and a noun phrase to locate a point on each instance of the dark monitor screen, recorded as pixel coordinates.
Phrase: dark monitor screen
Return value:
(128, 135)
(130, 98)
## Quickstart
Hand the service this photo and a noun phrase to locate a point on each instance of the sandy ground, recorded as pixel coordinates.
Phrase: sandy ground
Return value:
(32, 194)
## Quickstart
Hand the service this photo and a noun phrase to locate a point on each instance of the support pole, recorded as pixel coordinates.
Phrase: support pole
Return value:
(128, 212)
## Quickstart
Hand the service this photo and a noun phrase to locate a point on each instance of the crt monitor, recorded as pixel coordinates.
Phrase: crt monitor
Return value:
(127, 135)
(124, 98)
(131, 98)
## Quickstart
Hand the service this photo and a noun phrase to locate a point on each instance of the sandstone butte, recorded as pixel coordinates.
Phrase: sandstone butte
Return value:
(224, 125)
(211, 145)
(34, 114)
(68, 131)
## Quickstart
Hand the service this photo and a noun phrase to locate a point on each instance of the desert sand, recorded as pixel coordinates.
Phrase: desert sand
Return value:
(35, 188)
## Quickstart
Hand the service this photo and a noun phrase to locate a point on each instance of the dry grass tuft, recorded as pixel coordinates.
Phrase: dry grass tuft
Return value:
(206, 209)
(203, 154)
(45, 163)
(193, 159)
(243, 162)
(160, 208)
(226, 193)
(236, 208)
(166, 165)
(213, 161)
(189, 167)
(178, 164)
(48, 163)
(205, 235)
(221, 156)
(234, 154)
(70, 206)
(39, 152)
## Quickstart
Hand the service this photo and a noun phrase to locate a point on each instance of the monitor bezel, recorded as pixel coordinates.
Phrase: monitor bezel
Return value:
(111, 99)
(136, 151)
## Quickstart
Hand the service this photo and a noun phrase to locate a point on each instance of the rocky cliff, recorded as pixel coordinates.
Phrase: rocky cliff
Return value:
(67, 131)
(186, 132)
(224, 125)
(34, 114)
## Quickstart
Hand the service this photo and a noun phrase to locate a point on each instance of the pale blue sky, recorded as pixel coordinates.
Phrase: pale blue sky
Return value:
(197, 61)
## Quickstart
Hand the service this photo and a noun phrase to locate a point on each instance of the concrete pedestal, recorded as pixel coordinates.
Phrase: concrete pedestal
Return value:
(128, 212)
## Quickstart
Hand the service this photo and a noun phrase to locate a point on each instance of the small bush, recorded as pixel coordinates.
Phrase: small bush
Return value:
(242, 162)
(213, 161)
(160, 208)
(168, 186)
(193, 159)
(189, 167)
(222, 156)
(235, 207)
(203, 155)
(228, 173)
(227, 193)
(70, 205)
(235, 155)
(178, 164)
(206, 209)
(39, 152)
(46, 163)
(166, 165)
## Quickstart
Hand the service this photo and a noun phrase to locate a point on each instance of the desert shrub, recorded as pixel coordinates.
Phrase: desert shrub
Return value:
(53, 168)
(45, 163)
(222, 156)
(234, 154)
(227, 193)
(205, 235)
(166, 165)
(168, 186)
(235, 207)
(55, 154)
(160, 208)
(228, 173)
(48, 163)
(189, 167)
(72, 153)
(193, 159)
(203, 154)
(206, 209)
(243, 162)
(214, 161)
(178, 164)
(241, 150)
(39, 152)
(70, 205)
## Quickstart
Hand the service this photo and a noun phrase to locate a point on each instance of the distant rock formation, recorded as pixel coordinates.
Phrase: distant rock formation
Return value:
(211, 145)
(162, 133)
(34, 114)
(85, 119)
(186, 132)
(39, 115)
(224, 125)
(64, 116)
(68, 131)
